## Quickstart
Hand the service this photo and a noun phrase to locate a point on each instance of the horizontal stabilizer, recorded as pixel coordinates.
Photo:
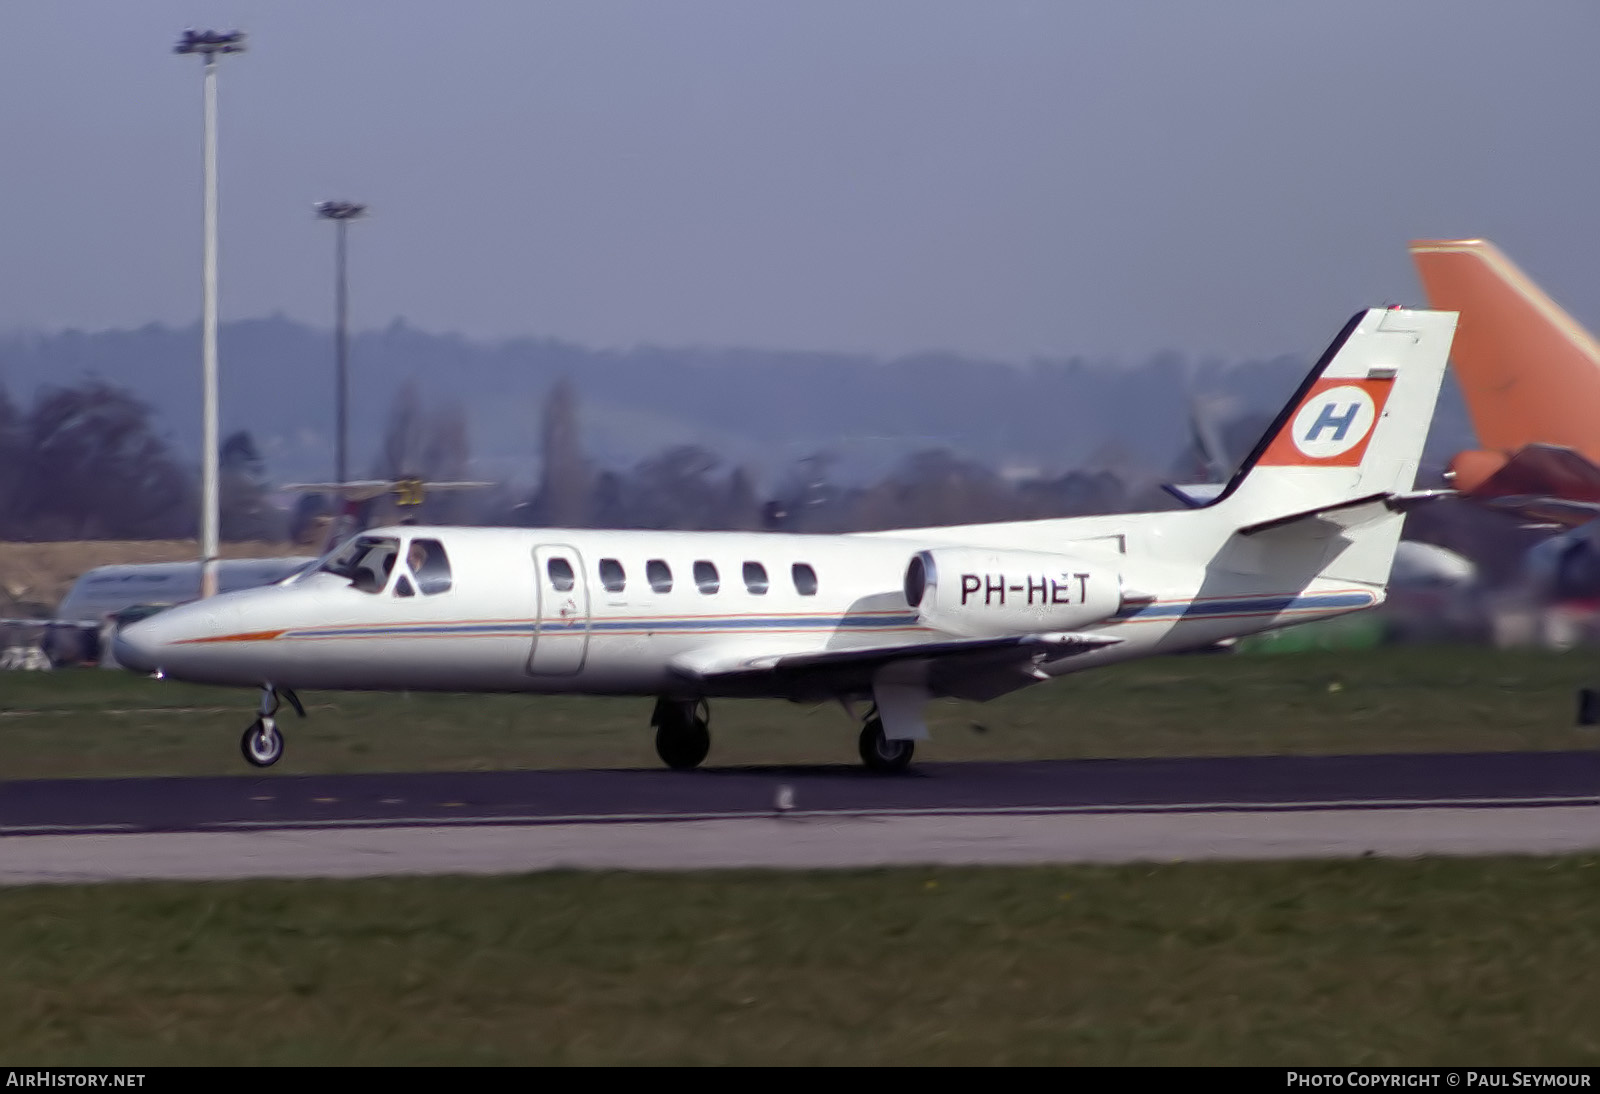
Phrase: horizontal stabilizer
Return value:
(1352, 513)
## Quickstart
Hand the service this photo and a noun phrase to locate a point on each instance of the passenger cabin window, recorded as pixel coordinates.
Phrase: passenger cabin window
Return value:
(366, 561)
(805, 579)
(561, 575)
(705, 577)
(612, 575)
(755, 578)
(429, 565)
(660, 575)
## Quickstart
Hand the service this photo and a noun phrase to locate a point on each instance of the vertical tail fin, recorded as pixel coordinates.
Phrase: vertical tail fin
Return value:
(1356, 426)
(1529, 372)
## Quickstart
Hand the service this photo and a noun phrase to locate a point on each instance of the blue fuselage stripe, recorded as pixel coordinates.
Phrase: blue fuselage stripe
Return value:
(1176, 610)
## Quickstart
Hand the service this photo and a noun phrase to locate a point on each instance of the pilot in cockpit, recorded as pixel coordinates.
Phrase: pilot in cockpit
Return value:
(368, 579)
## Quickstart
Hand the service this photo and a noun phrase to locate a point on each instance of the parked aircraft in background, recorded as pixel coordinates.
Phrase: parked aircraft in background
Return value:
(105, 592)
(1306, 528)
(1530, 375)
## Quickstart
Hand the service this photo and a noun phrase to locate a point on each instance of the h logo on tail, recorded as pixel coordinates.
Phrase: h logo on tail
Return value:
(1332, 425)
(1339, 423)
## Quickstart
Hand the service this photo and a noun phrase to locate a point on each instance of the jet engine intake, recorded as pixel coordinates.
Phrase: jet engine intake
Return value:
(986, 594)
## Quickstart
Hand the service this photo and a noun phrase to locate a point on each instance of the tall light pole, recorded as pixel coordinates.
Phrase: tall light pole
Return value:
(208, 44)
(341, 213)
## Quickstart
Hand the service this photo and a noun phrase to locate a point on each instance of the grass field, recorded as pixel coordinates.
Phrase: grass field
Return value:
(90, 722)
(1355, 963)
(1366, 962)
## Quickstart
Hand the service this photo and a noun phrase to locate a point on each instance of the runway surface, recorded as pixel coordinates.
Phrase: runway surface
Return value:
(1082, 810)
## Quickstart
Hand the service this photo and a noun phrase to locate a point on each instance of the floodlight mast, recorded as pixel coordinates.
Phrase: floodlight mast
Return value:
(341, 213)
(209, 44)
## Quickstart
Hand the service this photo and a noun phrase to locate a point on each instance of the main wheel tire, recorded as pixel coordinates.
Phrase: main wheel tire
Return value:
(261, 744)
(683, 747)
(879, 753)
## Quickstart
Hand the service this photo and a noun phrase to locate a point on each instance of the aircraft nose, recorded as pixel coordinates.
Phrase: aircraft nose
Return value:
(137, 647)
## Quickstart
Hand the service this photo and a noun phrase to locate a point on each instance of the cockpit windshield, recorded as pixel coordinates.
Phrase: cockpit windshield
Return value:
(365, 561)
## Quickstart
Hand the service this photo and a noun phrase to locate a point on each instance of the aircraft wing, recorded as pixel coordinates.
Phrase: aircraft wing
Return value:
(367, 489)
(359, 490)
(968, 668)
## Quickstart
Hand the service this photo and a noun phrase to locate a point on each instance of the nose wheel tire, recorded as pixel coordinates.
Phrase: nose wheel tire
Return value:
(262, 744)
(683, 735)
(881, 754)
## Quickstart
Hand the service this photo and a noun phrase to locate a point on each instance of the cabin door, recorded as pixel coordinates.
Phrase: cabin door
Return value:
(561, 632)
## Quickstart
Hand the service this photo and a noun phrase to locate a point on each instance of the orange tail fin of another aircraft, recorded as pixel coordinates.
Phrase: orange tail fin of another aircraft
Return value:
(1529, 371)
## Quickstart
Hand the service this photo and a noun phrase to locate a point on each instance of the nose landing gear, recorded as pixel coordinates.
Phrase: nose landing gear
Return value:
(262, 743)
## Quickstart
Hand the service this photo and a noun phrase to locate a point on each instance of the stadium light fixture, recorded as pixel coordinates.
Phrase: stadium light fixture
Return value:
(341, 213)
(209, 45)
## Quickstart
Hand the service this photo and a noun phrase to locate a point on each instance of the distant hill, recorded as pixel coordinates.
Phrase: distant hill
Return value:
(764, 409)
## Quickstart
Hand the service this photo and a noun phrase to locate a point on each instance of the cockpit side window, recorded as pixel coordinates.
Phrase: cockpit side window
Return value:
(366, 561)
(430, 564)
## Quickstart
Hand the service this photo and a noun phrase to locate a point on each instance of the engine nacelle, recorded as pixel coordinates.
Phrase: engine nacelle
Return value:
(978, 593)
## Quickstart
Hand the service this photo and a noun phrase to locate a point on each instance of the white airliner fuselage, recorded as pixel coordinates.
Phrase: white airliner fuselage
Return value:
(1306, 529)
(503, 625)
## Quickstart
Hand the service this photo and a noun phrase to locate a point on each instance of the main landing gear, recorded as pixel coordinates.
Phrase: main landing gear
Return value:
(879, 752)
(683, 732)
(262, 743)
(683, 738)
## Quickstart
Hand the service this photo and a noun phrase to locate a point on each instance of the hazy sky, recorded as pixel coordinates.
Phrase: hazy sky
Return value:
(998, 177)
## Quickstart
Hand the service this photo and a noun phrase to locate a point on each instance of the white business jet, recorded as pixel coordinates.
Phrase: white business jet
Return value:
(1306, 528)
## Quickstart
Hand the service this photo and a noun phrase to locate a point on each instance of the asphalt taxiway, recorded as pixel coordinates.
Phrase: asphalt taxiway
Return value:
(274, 825)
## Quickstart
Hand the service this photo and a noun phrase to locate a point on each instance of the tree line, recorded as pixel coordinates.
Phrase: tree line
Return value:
(88, 461)
(690, 487)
